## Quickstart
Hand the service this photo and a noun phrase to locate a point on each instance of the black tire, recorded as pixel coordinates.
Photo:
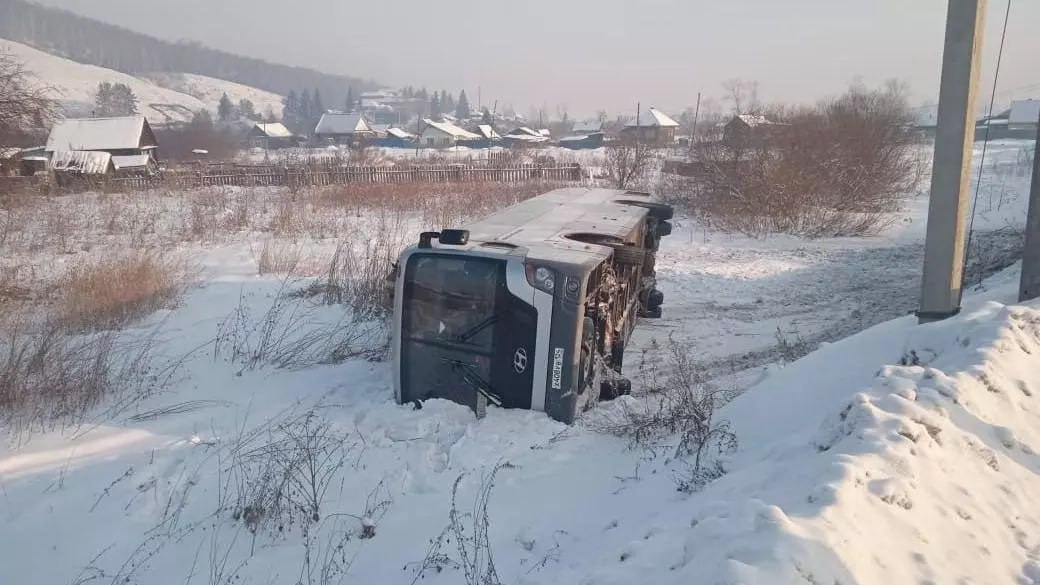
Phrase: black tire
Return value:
(654, 298)
(660, 211)
(650, 313)
(611, 389)
(629, 255)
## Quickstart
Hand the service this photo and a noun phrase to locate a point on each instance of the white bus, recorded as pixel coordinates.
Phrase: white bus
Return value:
(530, 307)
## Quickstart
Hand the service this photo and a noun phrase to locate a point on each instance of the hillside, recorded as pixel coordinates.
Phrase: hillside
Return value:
(75, 85)
(89, 41)
(209, 89)
(170, 98)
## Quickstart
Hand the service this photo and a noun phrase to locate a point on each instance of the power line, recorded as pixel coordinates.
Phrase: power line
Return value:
(985, 144)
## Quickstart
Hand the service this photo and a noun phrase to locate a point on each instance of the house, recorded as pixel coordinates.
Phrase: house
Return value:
(583, 142)
(340, 128)
(487, 132)
(745, 127)
(271, 135)
(586, 128)
(524, 136)
(396, 138)
(129, 135)
(652, 127)
(1024, 115)
(444, 135)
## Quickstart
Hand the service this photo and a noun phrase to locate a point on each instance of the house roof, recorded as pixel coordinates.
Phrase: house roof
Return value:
(487, 131)
(135, 161)
(88, 162)
(97, 134)
(399, 133)
(450, 129)
(9, 152)
(335, 123)
(654, 117)
(1024, 112)
(273, 129)
(524, 131)
(588, 127)
(752, 120)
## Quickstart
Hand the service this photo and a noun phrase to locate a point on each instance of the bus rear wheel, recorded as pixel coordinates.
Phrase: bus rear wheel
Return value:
(611, 389)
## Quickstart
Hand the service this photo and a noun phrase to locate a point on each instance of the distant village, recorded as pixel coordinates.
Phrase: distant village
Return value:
(127, 145)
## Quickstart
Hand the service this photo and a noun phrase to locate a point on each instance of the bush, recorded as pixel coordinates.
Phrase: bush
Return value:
(677, 411)
(108, 293)
(837, 169)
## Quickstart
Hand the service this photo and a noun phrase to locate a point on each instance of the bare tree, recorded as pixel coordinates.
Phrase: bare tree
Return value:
(742, 95)
(25, 106)
(627, 161)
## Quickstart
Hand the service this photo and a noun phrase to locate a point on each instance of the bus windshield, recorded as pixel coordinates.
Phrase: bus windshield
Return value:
(462, 330)
(452, 299)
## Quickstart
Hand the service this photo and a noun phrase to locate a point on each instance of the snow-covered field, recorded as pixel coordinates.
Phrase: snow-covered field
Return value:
(850, 467)
(175, 99)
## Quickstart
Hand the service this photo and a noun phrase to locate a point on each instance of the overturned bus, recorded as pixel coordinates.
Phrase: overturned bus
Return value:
(530, 307)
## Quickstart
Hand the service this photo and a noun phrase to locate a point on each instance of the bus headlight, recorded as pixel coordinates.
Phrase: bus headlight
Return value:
(542, 278)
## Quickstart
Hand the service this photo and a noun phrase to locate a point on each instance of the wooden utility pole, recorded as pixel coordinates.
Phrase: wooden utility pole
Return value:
(1029, 288)
(951, 172)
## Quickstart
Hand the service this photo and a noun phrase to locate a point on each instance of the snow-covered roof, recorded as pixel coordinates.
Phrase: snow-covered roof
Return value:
(1024, 112)
(753, 120)
(274, 129)
(399, 133)
(545, 132)
(97, 134)
(588, 127)
(524, 131)
(87, 162)
(487, 131)
(332, 123)
(9, 152)
(653, 117)
(135, 161)
(450, 129)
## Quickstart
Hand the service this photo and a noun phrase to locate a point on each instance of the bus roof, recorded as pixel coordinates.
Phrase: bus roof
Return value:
(541, 224)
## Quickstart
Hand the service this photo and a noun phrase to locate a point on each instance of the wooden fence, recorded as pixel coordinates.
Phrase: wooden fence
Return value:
(264, 176)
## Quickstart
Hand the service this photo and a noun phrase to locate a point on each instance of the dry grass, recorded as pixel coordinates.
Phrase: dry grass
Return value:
(275, 257)
(108, 293)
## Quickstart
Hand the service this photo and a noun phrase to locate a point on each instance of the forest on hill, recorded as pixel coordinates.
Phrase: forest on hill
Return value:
(97, 43)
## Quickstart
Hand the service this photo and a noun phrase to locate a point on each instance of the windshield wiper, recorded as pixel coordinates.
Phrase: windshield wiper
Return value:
(466, 335)
(466, 372)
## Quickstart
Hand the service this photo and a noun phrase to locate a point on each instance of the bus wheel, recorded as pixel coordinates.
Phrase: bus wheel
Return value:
(651, 313)
(654, 298)
(611, 389)
(629, 255)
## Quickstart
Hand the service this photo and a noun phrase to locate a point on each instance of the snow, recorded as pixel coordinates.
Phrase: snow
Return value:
(131, 161)
(122, 133)
(81, 161)
(851, 467)
(337, 123)
(171, 97)
(449, 129)
(209, 90)
(75, 86)
(273, 129)
(654, 117)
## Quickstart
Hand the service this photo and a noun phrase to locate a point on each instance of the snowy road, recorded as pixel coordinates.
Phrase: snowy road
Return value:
(744, 303)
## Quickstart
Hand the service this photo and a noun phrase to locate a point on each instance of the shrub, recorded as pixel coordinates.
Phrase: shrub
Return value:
(108, 293)
(837, 169)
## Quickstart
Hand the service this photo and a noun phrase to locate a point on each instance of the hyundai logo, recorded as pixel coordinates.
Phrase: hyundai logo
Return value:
(520, 360)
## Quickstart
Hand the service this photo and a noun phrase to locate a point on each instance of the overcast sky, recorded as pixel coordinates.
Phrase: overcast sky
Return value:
(595, 54)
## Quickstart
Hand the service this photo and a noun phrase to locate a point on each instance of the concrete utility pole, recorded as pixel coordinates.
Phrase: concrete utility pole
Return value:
(1030, 286)
(951, 172)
